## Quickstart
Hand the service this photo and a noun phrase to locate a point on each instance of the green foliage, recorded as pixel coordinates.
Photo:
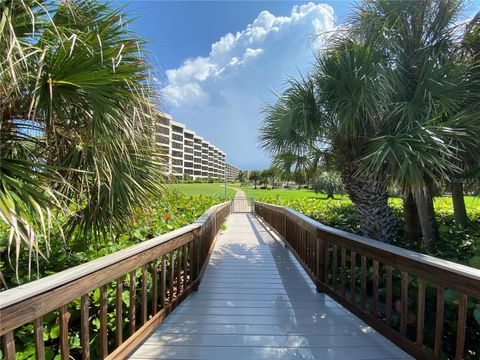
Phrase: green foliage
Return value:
(165, 214)
(77, 118)
(242, 177)
(255, 176)
(328, 182)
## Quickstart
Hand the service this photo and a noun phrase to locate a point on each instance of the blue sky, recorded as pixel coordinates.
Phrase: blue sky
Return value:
(217, 63)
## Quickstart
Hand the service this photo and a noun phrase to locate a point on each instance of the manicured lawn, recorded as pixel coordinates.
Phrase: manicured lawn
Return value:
(441, 203)
(215, 189)
(287, 194)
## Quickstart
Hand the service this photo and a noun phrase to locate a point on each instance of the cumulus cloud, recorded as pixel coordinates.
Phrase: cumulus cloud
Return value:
(178, 94)
(233, 51)
(251, 53)
(227, 89)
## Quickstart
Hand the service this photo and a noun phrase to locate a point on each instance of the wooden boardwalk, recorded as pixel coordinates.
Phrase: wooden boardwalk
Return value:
(256, 302)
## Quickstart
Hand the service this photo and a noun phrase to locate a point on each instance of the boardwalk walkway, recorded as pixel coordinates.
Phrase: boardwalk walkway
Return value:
(256, 302)
(240, 203)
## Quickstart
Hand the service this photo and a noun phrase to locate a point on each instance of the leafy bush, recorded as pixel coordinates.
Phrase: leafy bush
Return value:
(163, 215)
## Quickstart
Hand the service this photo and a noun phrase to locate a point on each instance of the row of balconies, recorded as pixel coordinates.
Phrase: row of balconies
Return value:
(189, 153)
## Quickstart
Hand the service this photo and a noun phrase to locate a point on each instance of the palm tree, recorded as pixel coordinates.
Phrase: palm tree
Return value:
(273, 173)
(255, 177)
(241, 176)
(77, 117)
(264, 177)
(324, 115)
(428, 120)
(467, 163)
(328, 182)
(386, 101)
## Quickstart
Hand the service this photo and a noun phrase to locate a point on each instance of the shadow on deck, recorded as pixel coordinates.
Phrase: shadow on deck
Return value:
(256, 302)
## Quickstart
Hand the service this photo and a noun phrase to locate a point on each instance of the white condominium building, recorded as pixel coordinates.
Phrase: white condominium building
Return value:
(232, 173)
(188, 155)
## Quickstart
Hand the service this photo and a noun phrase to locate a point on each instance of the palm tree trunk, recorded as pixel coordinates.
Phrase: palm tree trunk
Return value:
(412, 221)
(426, 214)
(369, 194)
(459, 209)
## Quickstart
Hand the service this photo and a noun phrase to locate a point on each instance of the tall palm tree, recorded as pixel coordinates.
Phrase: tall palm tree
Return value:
(426, 123)
(468, 162)
(77, 116)
(254, 176)
(387, 100)
(310, 120)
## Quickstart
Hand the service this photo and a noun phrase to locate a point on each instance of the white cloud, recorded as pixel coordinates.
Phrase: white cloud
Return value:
(178, 94)
(251, 53)
(198, 69)
(224, 45)
(226, 52)
(225, 90)
(234, 61)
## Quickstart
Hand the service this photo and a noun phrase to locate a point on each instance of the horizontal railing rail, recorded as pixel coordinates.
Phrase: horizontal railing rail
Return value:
(372, 279)
(119, 298)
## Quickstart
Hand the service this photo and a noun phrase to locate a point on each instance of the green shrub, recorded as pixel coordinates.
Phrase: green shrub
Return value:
(172, 212)
(459, 245)
(164, 215)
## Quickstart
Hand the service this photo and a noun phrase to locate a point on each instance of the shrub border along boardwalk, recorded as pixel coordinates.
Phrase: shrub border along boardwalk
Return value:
(177, 261)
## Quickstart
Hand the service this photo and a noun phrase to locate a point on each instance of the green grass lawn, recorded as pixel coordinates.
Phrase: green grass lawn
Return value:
(287, 194)
(215, 189)
(442, 202)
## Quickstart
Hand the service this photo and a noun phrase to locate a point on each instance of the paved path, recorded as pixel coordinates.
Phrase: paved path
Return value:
(240, 203)
(256, 302)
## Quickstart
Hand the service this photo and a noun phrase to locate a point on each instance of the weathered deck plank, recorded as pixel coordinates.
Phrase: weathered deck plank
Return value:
(256, 302)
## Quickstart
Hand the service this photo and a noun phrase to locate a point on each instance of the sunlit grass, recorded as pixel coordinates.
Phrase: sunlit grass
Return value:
(288, 194)
(441, 202)
(215, 189)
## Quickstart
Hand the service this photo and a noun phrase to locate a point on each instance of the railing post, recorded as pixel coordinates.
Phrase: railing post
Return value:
(196, 254)
(321, 255)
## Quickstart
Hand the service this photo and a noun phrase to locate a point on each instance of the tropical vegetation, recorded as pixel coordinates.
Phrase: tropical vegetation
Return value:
(76, 115)
(393, 100)
(171, 212)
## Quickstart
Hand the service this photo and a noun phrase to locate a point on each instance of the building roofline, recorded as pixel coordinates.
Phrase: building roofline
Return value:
(165, 115)
(189, 131)
(179, 124)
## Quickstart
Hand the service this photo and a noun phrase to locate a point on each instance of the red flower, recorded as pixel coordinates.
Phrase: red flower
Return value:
(166, 217)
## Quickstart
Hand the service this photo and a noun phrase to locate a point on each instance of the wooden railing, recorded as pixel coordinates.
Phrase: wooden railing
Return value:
(372, 279)
(112, 303)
